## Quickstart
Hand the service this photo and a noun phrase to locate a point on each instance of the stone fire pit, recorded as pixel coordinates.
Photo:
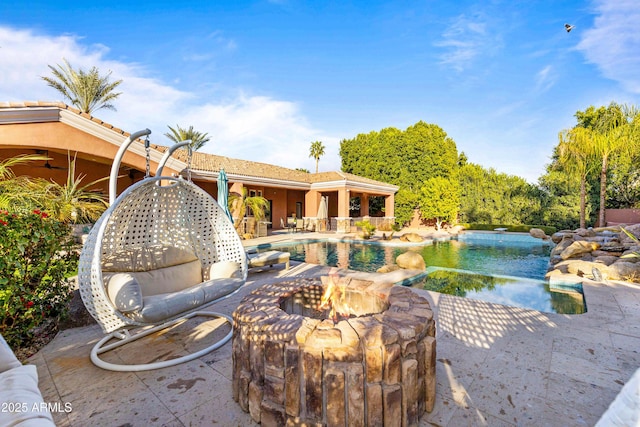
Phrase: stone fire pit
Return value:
(293, 365)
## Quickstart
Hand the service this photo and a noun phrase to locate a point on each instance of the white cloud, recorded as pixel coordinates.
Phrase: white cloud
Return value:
(613, 44)
(465, 40)
(246, 126)
(545, 79)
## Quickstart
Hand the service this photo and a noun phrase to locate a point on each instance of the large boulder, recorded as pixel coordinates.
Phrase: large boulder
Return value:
(634, 230)
(538, 233)
(623, 270)
(561, 246)
(605, 259)
(411, 237)
(559, 235)
(387, 268)
(585, 232)
(411, 261)
(577, 249)
(583, 268)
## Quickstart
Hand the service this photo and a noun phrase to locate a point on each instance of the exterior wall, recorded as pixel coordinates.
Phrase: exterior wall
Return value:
(622, 216)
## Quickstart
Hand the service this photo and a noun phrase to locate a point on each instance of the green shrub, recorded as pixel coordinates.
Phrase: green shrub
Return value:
(36, 256)
(513, 228)
(367, 228)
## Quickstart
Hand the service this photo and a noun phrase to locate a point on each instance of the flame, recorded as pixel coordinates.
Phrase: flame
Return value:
(333, 299)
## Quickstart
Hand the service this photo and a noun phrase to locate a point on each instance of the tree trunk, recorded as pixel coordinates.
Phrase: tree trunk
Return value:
(317, 160)
(583, 202)
(603, 191)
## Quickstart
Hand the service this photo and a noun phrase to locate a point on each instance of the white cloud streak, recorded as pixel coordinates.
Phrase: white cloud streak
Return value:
(248, 127)
(465, 40)
(613, 44)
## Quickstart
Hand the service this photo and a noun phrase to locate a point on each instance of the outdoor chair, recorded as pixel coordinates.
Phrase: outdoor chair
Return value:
(161, 252)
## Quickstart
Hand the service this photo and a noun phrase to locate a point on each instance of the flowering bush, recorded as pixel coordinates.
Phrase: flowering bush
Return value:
(36, 257)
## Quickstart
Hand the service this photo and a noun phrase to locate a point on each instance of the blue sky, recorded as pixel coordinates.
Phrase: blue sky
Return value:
(266, 78)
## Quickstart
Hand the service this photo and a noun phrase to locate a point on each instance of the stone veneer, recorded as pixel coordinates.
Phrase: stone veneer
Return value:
(293, 366)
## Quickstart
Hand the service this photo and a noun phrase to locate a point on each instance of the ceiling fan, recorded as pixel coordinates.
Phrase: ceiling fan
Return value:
(46, 163)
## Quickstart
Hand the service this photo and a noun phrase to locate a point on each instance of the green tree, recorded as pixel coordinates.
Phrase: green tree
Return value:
(440, 199)
(489, 197)
(198, 139)
(87, 91)
(239, 204)
(316, 151)
(613, 132)
(575, 154)
(71, 202)
(404, 158)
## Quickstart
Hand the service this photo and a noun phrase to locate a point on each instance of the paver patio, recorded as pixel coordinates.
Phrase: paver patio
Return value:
(497, 365)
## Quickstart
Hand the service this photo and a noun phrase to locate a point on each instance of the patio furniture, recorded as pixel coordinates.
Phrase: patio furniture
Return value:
(287, 225)
(22, 402)
(161, 252)
(268, 258)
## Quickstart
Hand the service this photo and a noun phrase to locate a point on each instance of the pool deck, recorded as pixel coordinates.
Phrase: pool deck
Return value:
(496, 365)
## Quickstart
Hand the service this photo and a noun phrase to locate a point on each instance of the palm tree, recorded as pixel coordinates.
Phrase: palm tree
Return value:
(238, 205)
(15, 190)
(574, 153)
(72, 202)
(316, 151)
(198, 139)
(615, 136)
(87, 91)
(67, 203)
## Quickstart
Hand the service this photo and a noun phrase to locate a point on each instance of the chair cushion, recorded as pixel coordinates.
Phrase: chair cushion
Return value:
(8, 360)
(124, 291)
(169, 279)
(147, 258)
(224, 270)
(158, 308)
(19, 386)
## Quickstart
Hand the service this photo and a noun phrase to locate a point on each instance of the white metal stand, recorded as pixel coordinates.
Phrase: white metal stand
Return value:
(125, 337)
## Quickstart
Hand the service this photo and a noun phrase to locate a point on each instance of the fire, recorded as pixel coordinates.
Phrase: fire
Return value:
(334, 299)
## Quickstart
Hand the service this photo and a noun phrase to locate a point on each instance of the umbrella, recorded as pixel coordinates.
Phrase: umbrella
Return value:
(223, 193)
(323, 214)
(322, 210)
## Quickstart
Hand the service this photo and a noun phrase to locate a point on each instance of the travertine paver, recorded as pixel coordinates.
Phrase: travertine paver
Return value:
(496, 366)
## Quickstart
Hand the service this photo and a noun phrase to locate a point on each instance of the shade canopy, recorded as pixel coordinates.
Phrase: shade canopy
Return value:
(323, 211)
(223, 193)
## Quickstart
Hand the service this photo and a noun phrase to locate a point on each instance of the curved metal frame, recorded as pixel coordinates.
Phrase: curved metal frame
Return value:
(126, 338)
(155, 209)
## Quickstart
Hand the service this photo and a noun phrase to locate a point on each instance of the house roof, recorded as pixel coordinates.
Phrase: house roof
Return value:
(203, 165)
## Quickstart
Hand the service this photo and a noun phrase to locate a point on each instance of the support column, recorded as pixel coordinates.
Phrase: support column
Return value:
(364, 205)
(344, 220)
(389, 206)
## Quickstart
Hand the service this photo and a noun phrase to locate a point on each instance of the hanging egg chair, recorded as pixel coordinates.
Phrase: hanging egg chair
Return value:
(161, 252)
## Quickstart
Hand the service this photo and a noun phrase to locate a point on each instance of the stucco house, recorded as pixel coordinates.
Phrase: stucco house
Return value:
(59, 131)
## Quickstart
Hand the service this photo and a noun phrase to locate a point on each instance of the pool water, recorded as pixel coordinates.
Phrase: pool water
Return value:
(483, 256)
(506, 290)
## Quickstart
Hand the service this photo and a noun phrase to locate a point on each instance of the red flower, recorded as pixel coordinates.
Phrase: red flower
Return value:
(29, 304)
(44, 215)
(36, 211)
(3, 222)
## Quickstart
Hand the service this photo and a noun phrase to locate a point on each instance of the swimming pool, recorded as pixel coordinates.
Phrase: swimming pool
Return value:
(496, 260)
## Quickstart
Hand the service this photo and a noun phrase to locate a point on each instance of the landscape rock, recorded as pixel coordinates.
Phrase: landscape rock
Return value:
(561, 246)
(411, 261)
(387, 268)
(411, 237)
(578, 248)
(538, 233)
(633, 229)
(605, 259)
(623, 270)
(559, 235)
(585, 232)
(583, 268)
